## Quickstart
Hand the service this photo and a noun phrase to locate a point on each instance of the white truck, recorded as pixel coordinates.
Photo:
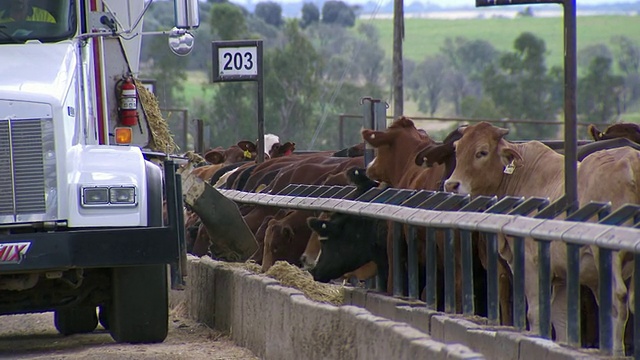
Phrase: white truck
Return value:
(82, 227)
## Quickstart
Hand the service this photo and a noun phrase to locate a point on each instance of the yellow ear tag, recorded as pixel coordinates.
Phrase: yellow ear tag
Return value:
(247, 154)
(509, 168)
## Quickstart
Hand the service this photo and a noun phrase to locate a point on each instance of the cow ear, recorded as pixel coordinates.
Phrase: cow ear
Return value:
(435, 154)
(510, 156)
(594, 132)
(246, 145)
(214, 157)
(318, 225)
(287, 233)
(376, 138)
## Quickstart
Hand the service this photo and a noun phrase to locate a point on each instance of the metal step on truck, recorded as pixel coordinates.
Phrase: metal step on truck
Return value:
(90, 202)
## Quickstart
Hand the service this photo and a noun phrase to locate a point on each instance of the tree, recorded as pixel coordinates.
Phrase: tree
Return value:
(427, 83)
(227, 21)
(310, 15)
(467, 61)
(291, 83)
(527, 12)
(338, 12)
(270, 12)
(520, 87)
(599, 91)
(588, 53)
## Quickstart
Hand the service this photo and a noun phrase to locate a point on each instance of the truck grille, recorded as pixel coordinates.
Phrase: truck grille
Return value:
(23, 145)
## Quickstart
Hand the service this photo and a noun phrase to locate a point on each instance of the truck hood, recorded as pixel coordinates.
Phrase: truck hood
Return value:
(37, 72)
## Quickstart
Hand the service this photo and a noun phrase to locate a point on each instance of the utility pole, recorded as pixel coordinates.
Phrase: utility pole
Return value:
(398, 37)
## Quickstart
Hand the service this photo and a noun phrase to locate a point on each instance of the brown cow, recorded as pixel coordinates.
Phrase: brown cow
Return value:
(484, 163)
(394, 164)
(286, 238)
(630, 131)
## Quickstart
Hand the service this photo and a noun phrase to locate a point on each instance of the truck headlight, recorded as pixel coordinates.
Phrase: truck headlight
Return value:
(122, 195)
(95, 196)
(108, 196)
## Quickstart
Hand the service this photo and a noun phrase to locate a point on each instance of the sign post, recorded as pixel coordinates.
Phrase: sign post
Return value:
(241, 60)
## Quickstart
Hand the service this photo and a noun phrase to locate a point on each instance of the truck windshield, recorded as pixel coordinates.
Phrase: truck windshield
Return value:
(42, 20)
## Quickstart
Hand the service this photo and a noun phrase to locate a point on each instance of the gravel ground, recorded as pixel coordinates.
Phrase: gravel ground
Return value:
(33, 336)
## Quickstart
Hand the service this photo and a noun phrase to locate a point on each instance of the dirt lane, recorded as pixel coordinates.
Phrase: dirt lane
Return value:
(33, 336)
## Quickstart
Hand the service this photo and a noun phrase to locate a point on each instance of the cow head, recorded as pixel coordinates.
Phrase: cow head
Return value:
(234, 154)
(277, 238)
(345, 245)
(249, 149)
(311, 253)
(481, 157)
(444, 153)
(279, 150)
(394, 147)
(215, 156)
(630, 131)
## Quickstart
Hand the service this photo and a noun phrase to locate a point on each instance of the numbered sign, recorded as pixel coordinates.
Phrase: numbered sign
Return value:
(236, 60)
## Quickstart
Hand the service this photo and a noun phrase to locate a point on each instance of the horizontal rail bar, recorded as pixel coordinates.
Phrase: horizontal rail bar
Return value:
(607, 236)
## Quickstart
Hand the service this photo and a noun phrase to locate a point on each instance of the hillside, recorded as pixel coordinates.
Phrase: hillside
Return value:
(424, 37)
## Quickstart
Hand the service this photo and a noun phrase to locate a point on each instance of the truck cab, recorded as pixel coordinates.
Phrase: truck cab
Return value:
(87, 220)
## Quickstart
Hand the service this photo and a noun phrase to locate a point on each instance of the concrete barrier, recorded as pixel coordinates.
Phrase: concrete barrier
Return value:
(277, 322)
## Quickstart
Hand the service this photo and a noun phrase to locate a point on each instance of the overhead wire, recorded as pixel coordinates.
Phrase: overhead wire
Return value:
(338, 86)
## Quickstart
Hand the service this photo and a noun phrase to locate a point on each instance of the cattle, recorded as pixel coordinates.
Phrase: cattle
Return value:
(348, 243)
(352, 151)
(354, 176)
(310, 174)
(629, 131)
(394, 164)
(286, 238)
(487, 164)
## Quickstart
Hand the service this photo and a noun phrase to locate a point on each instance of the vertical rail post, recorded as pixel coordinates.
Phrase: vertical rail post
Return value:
(431, 268)
(493, 306)
(412, 263)
(573, 294)
(544, 288)
(605, 300)
(519, 301)
(449, 272)
(397, 265)
(466, 248)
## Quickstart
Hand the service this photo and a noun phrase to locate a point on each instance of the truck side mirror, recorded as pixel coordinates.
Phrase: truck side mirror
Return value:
(186, 14)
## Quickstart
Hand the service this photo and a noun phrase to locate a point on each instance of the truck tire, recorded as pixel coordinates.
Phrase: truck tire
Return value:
(103, 316)
(139, 309)
(76, 320)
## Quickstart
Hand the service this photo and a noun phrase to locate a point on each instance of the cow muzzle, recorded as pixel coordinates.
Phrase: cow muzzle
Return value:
(452, 186)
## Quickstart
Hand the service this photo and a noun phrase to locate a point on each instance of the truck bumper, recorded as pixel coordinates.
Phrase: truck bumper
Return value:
(21, 253)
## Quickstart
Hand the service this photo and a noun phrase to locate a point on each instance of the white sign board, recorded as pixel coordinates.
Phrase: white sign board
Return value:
(237, 61)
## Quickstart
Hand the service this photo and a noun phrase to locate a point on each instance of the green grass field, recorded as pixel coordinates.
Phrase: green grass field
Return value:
(425, 37)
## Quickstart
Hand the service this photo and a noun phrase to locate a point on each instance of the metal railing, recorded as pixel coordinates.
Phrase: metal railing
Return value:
(490, 216)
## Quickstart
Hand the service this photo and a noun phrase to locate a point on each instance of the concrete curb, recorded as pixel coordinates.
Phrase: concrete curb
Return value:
(277, 322)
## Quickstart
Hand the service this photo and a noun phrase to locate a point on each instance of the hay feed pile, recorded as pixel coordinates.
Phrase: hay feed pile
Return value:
(292, 276)
(161, 139)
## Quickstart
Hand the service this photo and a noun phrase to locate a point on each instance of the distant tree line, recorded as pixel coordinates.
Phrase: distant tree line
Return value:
(321, 64)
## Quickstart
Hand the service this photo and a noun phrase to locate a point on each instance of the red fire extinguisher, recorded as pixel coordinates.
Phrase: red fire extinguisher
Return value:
(128, 103)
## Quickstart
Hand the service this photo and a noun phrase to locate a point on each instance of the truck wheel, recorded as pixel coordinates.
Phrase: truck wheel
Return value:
(103, 316)
(76, 320)
(139, 309)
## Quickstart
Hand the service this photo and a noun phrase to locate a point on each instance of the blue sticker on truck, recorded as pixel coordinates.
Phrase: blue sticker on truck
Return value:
(13, 253)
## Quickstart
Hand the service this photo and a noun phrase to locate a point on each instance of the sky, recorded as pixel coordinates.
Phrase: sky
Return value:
(441, 3)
